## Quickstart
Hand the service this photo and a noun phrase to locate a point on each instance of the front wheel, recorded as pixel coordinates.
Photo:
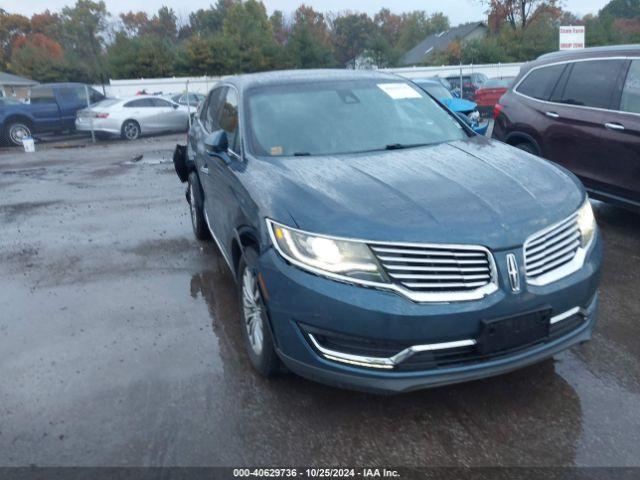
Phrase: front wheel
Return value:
(130, 130)
(196, 207)
(255, 323)
(16, 132)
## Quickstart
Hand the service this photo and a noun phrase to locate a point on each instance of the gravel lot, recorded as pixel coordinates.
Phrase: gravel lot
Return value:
(120, 344)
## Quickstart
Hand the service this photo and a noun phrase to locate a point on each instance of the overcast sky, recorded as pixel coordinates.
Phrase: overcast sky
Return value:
(458, 11)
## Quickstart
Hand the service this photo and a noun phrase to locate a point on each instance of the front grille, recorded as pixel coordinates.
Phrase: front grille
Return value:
(552, 248)
(436, 269)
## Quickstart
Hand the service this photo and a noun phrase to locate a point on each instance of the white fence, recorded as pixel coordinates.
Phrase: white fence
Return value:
(490, 70)
(125, 88)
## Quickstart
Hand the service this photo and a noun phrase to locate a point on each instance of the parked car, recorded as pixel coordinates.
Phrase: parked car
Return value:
(51, 108)
(466, 109)
(470, 83)
(377, 242)
(581, 110)
(132, 117)
(192, 99)
(488, 96)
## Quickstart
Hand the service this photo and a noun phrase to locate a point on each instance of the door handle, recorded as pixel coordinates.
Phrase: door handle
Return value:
(552, 115)
(614, 126)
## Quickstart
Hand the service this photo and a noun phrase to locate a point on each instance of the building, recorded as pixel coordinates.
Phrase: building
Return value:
(439, 42)
(14, 86)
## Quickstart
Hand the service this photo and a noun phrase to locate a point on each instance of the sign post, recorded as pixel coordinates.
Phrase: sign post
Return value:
(572, 37)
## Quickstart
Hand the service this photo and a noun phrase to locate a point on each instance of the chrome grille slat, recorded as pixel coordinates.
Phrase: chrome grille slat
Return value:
(552, 247)
(418, 268)
(437, 268)
(386, 258)
(441, 253)
(408, 276)
(426, 285)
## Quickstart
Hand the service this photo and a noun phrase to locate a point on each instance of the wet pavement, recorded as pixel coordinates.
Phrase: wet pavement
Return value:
(120, 344)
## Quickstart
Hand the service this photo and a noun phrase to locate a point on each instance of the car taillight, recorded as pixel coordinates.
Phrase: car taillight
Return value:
(102, 115)
(497, 110)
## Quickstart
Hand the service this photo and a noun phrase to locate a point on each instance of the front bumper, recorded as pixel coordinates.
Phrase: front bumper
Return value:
(300, 303)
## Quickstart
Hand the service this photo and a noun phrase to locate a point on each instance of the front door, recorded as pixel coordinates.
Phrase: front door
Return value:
(222, 171)
(208, 165)
(45, 110)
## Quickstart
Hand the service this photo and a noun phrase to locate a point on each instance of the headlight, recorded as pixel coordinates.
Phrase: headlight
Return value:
(586, 223)
(320, 254)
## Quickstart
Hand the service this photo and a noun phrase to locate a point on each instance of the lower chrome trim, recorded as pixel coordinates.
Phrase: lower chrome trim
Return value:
(388, 363)
(569, 313)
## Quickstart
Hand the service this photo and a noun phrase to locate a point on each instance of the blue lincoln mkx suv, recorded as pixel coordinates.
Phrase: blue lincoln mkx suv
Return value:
(380, 244)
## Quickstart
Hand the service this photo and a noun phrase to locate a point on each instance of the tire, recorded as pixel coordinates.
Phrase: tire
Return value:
(255, 322)
(195, 197)
(130, 130)
(527, 147)
(15, 131)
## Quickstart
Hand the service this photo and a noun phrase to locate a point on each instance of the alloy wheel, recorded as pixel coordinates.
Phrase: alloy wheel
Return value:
(252, 307)
(19, 132)
(131, 131)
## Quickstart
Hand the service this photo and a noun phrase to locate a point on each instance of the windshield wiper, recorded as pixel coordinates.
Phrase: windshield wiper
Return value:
(401, 146)
(302, 154)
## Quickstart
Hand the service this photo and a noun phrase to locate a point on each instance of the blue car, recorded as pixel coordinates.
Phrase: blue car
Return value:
(377, 242)
(466, 109)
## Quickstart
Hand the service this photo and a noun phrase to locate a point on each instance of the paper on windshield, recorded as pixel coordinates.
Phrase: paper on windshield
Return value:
(399, 91)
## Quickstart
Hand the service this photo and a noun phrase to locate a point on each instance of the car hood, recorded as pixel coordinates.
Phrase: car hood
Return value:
(459, 104)
(476, 191)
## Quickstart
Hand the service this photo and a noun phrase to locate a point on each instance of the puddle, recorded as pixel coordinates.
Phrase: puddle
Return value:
(151, 158)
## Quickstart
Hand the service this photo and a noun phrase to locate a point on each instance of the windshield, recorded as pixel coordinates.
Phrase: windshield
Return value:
(436, 90)
(325, 118)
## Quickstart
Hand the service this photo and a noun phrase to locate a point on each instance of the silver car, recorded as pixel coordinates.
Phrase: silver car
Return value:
(132, 117)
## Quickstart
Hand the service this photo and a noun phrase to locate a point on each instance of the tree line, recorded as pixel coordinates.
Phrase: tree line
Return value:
(84, 42)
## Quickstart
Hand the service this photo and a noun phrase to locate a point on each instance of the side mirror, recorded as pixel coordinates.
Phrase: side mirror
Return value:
(217, 142)
(175, 106)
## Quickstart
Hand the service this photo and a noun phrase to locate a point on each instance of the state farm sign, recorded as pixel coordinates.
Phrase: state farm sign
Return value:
(571, 38)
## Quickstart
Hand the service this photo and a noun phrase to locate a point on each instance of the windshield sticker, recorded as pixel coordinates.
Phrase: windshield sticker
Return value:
(276, 150)
(399, 91)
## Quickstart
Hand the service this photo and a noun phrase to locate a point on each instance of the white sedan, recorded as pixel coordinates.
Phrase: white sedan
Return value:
(132, 117)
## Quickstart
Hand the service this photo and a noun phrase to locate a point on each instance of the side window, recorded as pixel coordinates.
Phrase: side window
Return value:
(141, 103)
(229, 118)
(211, 112)
(539, 83)
(42, 95)
(72, 95)
(592, 83)
(630, 101)
(159, 102)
